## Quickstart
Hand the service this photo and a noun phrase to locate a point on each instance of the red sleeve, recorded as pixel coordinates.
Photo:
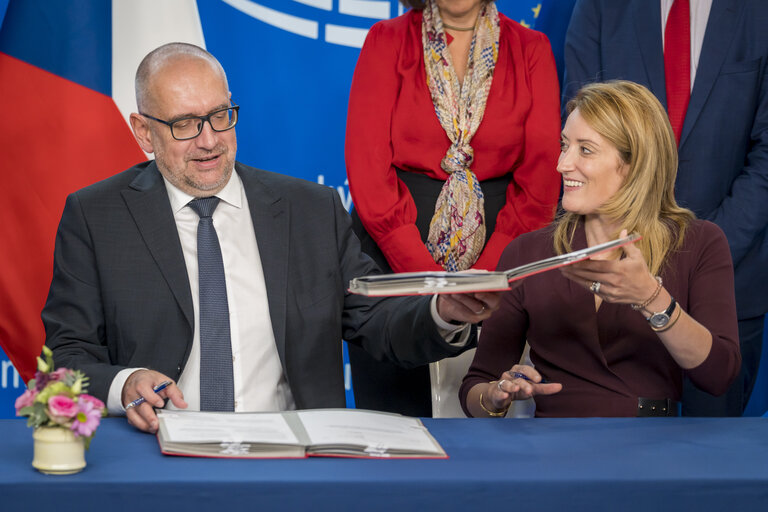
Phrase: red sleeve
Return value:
(535, 186)
(382, 201)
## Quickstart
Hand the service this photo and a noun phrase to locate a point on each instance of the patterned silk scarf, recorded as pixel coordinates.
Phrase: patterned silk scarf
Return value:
(457, 230)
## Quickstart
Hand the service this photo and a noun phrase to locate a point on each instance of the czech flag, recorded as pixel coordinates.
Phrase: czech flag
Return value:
(66, 76)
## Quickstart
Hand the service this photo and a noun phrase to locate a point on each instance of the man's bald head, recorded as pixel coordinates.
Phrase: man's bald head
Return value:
(158, 58)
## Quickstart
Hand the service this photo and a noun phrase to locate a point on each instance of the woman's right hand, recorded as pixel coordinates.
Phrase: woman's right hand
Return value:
(518, 383)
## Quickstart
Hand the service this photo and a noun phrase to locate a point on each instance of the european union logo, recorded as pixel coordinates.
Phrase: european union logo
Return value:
(344, 24)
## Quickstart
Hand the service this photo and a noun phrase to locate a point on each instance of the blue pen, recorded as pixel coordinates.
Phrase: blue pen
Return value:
(523, 376)
(141, 399)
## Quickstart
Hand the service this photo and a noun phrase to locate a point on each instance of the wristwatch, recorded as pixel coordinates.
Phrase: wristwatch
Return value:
(661, 319)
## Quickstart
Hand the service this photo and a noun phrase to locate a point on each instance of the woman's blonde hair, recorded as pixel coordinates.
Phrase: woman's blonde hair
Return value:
(630, 117)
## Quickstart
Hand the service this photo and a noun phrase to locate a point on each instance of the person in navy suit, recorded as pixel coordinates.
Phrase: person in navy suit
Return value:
(723, 134)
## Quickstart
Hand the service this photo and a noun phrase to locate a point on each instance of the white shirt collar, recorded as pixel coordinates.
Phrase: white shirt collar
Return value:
(231, 193)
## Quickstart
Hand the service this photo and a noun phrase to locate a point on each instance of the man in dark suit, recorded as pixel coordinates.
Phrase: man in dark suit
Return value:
(723, 130)
(157, 271)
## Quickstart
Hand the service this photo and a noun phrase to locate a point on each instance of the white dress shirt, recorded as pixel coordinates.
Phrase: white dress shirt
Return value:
(259, 382)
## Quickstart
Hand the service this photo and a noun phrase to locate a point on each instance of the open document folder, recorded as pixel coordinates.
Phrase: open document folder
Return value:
(295, 434)
(428, 283)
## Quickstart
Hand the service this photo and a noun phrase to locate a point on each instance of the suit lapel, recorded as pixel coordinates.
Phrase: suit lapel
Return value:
(721, 29)
(647, 16)
(270, 216)
(147, 200)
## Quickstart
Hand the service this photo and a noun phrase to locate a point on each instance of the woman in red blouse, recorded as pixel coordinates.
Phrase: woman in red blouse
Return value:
(487, 114)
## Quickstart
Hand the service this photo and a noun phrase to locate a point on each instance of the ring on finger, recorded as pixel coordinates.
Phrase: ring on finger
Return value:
(595, 287)
(498, 385)
(482, 310)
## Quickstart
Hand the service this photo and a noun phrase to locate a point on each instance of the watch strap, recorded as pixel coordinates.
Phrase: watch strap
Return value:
(667, 312)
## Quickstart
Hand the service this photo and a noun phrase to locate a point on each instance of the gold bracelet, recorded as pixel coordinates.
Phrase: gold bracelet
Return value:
(655, 294)
(495, 414)
(677, 314)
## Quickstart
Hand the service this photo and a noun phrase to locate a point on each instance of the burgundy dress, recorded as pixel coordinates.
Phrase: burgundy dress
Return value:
(607, 358)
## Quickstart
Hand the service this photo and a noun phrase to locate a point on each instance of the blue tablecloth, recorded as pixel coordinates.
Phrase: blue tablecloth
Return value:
(512, 465)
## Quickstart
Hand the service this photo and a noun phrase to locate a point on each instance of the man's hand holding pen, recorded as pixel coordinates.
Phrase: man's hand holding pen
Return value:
(143, 391)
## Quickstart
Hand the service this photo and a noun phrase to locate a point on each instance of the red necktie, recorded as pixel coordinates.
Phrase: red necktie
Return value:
(677, 63)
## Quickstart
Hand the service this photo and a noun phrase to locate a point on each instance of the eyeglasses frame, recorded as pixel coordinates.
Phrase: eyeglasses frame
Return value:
(203, 119)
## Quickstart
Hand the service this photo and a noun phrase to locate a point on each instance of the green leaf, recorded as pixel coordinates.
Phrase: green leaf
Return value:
(42, 365)
(37, 415)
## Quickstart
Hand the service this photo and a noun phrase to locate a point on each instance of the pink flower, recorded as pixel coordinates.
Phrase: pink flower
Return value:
(87, 419)
(59, 374)
(98, 404)
(26, 399)
(62, 405)
(42, 379)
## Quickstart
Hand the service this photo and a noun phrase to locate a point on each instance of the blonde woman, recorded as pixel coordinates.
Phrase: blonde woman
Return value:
(613, 337)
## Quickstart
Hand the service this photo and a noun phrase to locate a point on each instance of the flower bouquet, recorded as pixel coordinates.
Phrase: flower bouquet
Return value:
(57, 398)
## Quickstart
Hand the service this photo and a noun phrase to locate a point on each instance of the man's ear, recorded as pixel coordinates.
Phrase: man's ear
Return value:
(142, 133)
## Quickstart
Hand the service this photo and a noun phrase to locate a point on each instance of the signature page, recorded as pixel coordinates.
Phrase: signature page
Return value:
(375, 433)
(208, 427)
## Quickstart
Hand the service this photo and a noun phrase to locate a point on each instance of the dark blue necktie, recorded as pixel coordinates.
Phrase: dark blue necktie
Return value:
(216, 381)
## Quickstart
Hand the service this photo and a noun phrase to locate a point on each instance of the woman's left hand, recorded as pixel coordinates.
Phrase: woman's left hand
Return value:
(626, 280)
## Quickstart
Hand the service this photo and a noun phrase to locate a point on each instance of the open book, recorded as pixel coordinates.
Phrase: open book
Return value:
(295, 434)
(428, 283)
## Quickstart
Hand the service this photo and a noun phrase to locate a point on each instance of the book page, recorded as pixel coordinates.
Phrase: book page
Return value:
(210, 427)
(373, 432)
(569, 258)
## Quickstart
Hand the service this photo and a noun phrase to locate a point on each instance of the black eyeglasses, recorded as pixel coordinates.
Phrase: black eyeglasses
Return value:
(190, 127)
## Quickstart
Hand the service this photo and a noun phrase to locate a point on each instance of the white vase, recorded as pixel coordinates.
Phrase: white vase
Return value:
(58, 451)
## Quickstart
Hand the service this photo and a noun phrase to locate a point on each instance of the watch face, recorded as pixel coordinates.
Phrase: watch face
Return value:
(659, 320)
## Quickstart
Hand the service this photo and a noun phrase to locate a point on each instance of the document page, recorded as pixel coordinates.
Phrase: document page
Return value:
(569, 258)
(373, 432)
(208, 427)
